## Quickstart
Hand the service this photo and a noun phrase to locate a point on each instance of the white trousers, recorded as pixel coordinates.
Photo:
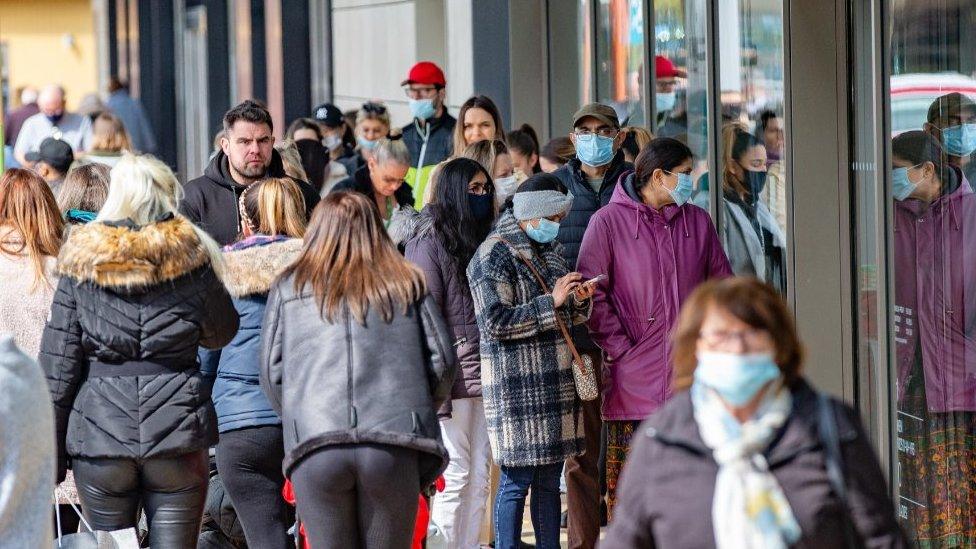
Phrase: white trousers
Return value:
(459, 510)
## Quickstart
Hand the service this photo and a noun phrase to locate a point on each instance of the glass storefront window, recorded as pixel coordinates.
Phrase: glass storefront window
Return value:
(681, 78)
(620, 54)
(933, 136)
(751, 170)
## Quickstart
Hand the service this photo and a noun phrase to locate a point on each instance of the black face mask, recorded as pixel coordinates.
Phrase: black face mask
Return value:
(755, 182)
(481, 205)
(55, 118)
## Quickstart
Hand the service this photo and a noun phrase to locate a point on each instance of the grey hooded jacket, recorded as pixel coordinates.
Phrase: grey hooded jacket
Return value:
(349, 383)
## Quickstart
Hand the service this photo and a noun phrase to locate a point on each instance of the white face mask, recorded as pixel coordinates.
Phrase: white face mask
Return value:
(504, 188)
(331, 142)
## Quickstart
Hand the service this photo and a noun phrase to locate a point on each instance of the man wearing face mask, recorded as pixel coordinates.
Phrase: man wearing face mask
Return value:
(52, 121)
(337, 137)
(246, 155)
(952, 121)
(591, 177)
(665, 83)
(429, 137)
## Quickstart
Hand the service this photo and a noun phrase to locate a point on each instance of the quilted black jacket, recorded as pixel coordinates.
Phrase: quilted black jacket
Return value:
(120, 346)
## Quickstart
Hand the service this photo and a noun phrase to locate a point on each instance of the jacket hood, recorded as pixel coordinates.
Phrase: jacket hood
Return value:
(625, 194)
(959, 189)
(219, 172)
(125, 255)
(410, 225)
(253, 269)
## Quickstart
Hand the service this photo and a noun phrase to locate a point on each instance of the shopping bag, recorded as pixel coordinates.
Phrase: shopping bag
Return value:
(92, 539)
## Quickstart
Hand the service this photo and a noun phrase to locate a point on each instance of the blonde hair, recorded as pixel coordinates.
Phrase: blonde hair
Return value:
(365, 114)
(350, 261)
(30, 222)
(292, 160)
(274, 206)
(109, 135)
(143, 189)
(485, 152)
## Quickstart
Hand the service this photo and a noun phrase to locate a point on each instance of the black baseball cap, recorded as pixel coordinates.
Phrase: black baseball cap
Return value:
(54, 153)
(328, 114)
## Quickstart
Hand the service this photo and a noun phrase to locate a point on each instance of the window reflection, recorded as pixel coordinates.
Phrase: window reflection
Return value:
(620, 51)
(933, 122)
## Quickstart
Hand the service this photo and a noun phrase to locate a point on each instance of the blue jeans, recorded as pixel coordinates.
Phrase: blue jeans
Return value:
(545, 506)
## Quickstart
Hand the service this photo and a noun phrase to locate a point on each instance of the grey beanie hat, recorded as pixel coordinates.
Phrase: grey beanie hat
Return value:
(536, 204)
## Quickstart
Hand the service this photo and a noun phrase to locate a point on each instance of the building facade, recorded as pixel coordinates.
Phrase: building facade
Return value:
(835, 92)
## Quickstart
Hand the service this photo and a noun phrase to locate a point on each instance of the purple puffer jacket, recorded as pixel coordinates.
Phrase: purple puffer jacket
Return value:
(653, 260)
(935, 296)
(453, 295)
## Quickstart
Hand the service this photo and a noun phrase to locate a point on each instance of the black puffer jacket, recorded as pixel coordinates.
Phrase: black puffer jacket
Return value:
(451, 292)
(210, 201)
(348, 383)
(586, 202)
(120, 347)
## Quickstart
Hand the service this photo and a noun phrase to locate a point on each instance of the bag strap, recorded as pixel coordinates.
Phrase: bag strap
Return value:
(58, 491)
(834, 460)
(545, 288)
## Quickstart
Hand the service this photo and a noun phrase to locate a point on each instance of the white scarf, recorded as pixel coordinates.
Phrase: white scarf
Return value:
(749, 510)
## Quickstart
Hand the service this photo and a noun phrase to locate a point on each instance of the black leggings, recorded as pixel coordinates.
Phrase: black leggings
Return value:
(249, 463)
(362, 495)
(172, 490)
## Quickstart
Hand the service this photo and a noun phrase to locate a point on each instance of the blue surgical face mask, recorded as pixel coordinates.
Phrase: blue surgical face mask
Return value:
(594, 150)
(959, 140)
(366, 144)
(664, 102)
(422, 108)
(481, 205)
(901, 186)
(545, 233)
(737, 378)
(681, 192)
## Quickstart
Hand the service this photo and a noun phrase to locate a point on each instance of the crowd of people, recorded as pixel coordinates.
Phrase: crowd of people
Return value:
(359, 311)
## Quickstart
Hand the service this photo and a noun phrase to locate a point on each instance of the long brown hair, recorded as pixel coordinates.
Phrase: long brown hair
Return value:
(30, 222)
(109, 135)
(349, 261)
(736, 142)
(750, 300)
(274, 206)
(84, 188)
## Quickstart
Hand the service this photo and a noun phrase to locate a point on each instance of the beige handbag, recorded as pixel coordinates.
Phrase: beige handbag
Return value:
(583, 373)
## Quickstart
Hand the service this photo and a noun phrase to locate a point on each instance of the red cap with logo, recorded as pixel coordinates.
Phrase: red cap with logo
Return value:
(664, 68)
(425, 72)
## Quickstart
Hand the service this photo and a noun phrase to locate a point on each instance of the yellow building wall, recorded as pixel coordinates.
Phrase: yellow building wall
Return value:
(35, 31)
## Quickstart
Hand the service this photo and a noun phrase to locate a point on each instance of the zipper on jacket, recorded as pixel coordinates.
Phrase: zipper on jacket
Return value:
(353, 416)
(460, 341)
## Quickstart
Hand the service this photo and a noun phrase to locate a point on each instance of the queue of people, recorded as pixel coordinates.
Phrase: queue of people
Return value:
(464, 304)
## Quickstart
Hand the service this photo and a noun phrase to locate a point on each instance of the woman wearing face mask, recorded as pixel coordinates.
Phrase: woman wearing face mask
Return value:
(494, 156)
(647, 230)
(447, 233)
(381, 179)
(531, 404)
(478, 120)
(751, 236)
(935, 264)
(742, 447)
(372, 124)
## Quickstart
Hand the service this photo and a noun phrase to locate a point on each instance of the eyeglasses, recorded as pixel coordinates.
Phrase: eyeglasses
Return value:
(602, 132)
(374, 108)
(421, 93)
(478, 188)
(750, 338)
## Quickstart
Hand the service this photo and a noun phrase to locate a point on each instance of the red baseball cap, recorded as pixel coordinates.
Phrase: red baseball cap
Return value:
(425, 72)
(664, 68)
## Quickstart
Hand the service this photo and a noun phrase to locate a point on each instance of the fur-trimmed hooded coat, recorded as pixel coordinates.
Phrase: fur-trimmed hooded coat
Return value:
(133, 299)
(526, 366)
(250, 267)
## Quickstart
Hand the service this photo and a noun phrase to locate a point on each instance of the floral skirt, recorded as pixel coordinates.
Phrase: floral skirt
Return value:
(937, 460)
(619, 435)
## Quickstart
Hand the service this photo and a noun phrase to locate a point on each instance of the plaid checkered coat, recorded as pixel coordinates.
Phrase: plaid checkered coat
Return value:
(530, 398)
